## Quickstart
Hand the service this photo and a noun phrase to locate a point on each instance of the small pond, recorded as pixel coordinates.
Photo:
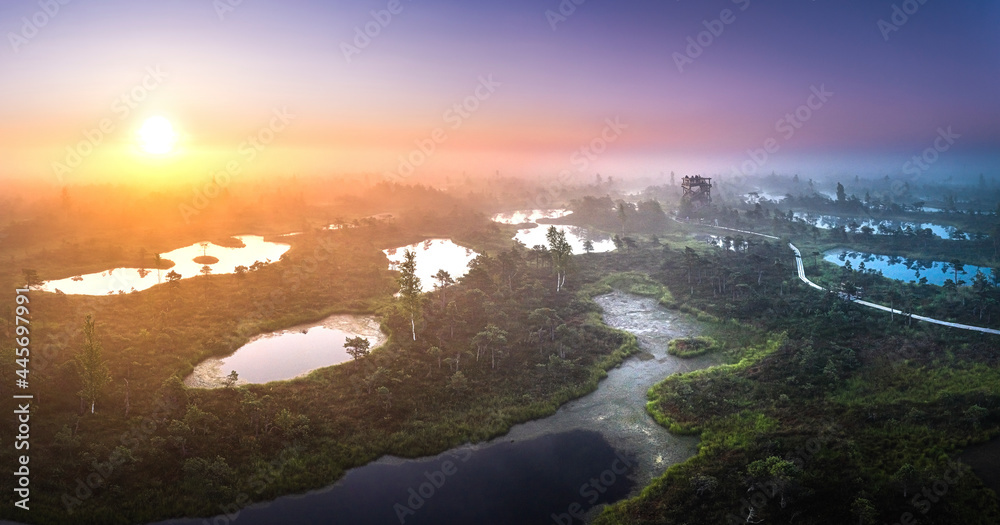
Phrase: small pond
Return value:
(434, 255)
(575, 235)
(881, 227)
(542, 471)
(286, 354)
(535, 235)
(985, 462)
(904, 269)
(762, 195)
(528, 216)
(719, 241)
(125, 280)
(512, 482)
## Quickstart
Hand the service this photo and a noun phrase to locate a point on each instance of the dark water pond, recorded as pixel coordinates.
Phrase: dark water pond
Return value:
(549, 479)
(985, 462)
(550, 470)
(562, 469)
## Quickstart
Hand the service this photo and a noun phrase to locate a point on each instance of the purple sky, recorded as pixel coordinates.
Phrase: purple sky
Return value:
(557, 82)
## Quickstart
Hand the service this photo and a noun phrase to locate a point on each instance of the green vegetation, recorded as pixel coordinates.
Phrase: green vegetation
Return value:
(357, 347)
(561, 251)
(823, 411)
(975, 304)
(92, 369)
(635, 283)
(692, 346)
(498, 347)
(409, 289)
(829, 421)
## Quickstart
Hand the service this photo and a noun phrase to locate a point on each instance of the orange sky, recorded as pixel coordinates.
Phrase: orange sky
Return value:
(219, 80)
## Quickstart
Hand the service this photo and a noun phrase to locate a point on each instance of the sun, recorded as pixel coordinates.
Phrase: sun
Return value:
(157, 136)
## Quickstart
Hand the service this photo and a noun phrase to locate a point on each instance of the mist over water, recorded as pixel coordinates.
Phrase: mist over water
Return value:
(434, 255)
(124, 280)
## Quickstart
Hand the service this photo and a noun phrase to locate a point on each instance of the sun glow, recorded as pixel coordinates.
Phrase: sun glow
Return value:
(157, 136)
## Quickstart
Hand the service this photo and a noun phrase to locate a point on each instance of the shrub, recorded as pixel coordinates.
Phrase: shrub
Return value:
(692, 346)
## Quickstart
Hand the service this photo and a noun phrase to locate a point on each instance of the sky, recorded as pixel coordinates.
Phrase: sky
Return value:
(267, 87)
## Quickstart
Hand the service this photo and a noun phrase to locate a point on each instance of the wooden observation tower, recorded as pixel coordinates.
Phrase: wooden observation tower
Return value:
(697, 189)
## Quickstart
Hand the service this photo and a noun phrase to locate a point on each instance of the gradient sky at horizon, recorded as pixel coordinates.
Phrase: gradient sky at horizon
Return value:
(226, 76)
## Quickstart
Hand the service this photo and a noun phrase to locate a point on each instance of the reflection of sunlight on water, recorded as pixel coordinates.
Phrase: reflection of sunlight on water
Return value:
(287, 354)
(124, 280)
(614, 414)
(434, 255)
(765, 195)
(526, 216)
(575, 235)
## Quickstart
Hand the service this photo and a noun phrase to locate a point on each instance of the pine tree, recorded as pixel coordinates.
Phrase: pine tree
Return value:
(357, 347)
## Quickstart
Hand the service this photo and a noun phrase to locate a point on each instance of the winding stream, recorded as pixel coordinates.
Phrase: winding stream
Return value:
(594, 450)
